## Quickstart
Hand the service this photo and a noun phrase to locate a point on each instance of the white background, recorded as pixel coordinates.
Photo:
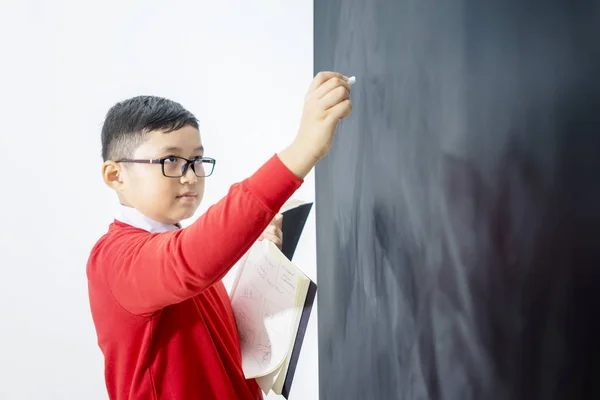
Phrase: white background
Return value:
(241, 66)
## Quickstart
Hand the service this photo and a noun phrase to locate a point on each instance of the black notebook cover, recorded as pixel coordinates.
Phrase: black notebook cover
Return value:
(292, 226)
(289, 376)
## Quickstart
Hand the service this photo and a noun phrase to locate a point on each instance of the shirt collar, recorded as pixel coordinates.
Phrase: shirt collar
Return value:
(133, 217)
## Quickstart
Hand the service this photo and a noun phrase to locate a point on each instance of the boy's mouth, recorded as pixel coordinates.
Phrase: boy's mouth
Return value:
(189, 196)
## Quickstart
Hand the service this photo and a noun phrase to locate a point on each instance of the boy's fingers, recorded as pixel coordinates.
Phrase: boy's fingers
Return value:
(336, 96)
(323, 77)
(273, 230)
(331, 85)
(340, 110)
(278, 220)
(273, 238)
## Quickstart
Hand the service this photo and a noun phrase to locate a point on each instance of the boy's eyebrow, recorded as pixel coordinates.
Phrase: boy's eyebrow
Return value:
(177, 149)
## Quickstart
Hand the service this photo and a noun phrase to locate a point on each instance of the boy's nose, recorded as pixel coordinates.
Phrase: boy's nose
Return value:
(189, 177)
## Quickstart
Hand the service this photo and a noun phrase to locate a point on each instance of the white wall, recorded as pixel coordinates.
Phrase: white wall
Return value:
(241, 66)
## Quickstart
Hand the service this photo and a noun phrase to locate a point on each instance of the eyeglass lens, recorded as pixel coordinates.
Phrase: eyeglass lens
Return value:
(173, 167)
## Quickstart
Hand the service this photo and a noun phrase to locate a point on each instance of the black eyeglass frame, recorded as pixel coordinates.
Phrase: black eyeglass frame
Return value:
(184, 169)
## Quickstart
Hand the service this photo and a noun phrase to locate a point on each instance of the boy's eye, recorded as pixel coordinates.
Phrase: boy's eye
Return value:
(171, 159)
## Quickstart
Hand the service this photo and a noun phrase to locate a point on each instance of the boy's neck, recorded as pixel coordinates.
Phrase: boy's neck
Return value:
(132, 216)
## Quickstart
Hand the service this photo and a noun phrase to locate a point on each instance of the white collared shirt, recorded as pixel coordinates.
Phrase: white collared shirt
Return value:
(133, 217)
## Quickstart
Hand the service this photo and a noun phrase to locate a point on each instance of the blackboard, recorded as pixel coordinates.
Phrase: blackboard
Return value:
(458, 213)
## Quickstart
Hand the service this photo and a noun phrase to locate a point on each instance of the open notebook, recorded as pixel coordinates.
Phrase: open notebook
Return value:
(272, 300)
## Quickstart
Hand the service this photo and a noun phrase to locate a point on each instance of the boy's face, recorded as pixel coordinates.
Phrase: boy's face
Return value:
(144, 187)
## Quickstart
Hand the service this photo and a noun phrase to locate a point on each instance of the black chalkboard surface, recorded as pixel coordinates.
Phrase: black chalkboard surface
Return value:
(458, 218)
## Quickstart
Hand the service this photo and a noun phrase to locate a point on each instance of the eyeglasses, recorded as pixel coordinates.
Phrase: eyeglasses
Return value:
(176, 167)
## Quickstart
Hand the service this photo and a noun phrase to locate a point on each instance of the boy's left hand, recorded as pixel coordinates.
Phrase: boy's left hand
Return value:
(273, 232)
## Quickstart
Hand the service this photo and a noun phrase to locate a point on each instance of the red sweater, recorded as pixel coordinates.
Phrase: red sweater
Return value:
(162, 315)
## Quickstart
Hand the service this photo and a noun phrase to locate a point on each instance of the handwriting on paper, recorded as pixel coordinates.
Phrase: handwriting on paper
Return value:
(287, 279)
(263, 301)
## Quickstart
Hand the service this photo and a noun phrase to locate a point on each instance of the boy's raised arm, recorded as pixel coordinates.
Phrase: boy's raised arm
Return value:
(155, 270)
(152, 271)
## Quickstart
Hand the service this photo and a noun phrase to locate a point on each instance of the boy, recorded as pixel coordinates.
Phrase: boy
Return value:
(162, 316)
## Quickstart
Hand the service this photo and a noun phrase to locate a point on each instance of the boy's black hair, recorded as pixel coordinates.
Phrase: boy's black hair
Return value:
(128, 121)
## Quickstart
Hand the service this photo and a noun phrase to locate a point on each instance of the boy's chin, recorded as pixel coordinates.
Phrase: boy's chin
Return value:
(185, 214)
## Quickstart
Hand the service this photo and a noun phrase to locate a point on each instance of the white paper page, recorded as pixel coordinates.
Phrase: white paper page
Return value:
(263, 300)
(267, 382)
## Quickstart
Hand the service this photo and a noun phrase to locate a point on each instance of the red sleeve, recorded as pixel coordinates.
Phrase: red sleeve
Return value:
(147, 272)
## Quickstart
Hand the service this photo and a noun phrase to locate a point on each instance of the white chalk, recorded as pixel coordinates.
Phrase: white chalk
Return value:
(351, 80)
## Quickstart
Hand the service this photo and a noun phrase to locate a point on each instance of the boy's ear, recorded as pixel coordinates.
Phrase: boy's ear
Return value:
(112, 175)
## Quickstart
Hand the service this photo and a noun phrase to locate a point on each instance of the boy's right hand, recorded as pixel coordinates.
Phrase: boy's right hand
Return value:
(326, 103)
